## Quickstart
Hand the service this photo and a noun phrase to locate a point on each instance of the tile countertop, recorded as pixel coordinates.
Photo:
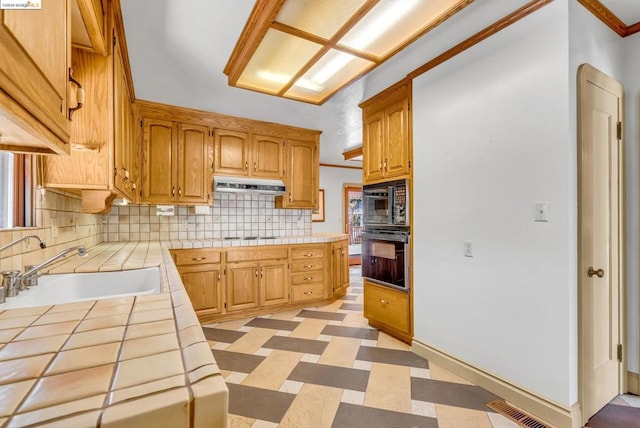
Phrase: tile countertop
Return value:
(119, 362)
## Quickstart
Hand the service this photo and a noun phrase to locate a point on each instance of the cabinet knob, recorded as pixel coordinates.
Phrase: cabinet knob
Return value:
(380, 166)
(308, 254)
(179, 191)
(307, 266)
(262, 273)
(599, 272)
(385, 165)
(218, 276)
(173, 190)
(308, 293)
(256, 273)
(308, 278)
(246, 165)
(384, 302)
(198, 259)
(255, 166)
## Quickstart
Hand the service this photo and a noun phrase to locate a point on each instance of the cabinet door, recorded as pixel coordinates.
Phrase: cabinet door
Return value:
(396, 159)
(372, 144)
(242, 286)
(231, 153)
(35, 48)
(194, 165)
(268, 157)
(203, 285)
(302, 175)
(340, 266)
(159, 157)
(123, 127)
(274, 283)
(387, 306)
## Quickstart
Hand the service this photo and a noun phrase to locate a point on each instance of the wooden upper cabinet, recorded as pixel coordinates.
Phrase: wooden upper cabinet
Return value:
(267, 156)
(177, 163)
(301, 175)
(231, 153)
(386, 139)
(35, 48)
(159, 158)
(194, 164)
(248, 155)
(89, 26)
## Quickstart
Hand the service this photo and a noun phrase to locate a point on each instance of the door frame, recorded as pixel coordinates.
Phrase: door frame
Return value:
(585, 73)
(346, 187)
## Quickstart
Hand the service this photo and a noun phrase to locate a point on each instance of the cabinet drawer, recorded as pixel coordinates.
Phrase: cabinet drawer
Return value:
(387, 306)
(257, 254)
(196, 256)
(307, 277)
(304, 292)
(307, 265)
(307, 253)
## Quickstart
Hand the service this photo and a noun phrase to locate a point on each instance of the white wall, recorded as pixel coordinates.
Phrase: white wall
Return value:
(491, 137)
(332, 180)
(593, 42)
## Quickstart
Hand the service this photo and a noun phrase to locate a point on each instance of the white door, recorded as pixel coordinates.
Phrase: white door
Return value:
(601, 240)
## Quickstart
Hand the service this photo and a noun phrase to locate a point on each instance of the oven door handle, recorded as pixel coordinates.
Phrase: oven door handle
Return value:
(387, 237)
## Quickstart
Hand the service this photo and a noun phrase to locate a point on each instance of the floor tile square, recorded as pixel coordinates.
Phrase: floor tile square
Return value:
(362, 365)
(423, 408)
(355, 332)
(273, 324)
(337, 377)
(391, 356)
(291, 386)
(237, 361)
(221, 335)
(354, 416)
(236, 378)
(353, 397)
(451, 394)
(305, 346)
(351, 307)
(421, 373)
(331, 316)
(258, 403)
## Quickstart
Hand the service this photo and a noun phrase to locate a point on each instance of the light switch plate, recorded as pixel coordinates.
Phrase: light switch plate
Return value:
(542, 211)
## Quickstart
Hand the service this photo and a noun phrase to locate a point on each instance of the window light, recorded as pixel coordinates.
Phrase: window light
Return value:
(308, 50)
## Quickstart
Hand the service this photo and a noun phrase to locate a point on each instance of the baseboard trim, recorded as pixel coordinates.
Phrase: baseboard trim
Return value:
(549, 411)
(633, 383)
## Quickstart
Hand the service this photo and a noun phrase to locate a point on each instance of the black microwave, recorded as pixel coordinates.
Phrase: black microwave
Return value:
(386, 204)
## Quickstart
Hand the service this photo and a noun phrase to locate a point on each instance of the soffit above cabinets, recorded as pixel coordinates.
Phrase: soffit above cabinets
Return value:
(308, 50)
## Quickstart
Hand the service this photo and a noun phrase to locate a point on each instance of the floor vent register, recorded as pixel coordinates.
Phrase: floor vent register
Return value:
(516, 415)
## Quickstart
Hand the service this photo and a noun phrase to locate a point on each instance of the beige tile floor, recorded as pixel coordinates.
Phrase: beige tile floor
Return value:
(325, 367)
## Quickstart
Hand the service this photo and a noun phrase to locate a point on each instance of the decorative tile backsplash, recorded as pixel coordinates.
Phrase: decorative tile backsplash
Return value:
(60, 222)
(232, 215)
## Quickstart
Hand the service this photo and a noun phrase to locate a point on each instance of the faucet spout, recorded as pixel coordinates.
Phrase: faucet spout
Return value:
(24, 238)
(82, 251)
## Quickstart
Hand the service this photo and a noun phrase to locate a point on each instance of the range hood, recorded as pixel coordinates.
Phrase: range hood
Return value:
(261, 186)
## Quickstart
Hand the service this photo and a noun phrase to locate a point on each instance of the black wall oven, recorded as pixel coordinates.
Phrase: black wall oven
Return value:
(385, 257)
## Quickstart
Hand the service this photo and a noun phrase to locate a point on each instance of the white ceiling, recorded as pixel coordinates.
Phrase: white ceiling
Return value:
(627, 10)
(178, 50)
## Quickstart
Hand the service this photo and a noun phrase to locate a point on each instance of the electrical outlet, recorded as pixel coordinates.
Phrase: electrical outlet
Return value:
(542, 211)
(468, 248)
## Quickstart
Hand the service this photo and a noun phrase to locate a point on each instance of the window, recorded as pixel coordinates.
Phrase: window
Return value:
(16, 183)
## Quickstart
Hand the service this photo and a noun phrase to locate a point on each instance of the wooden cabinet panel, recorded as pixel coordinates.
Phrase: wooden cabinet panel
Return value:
(159, 156)
(197, 256)
(301, 175)
(307, 277)
(387, 306)
(307, 265)
(274, 283)
(231, 153)
(257, 254)
(242, 286)
(194, 164)
(340, 266)
(35, 48)
(268, 156)
(203, 285)
(304, 292)
(89, 26)
(397, 154)
(307, 253)
(372, 144)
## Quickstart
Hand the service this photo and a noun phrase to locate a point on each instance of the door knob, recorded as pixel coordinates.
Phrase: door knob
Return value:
(599, 273)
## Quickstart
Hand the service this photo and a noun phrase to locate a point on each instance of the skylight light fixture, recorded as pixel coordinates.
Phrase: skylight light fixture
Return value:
(308, 50)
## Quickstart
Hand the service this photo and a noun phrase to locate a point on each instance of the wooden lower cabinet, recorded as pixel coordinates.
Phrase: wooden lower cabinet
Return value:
(388, 309)
(247, 281)
(340, 257)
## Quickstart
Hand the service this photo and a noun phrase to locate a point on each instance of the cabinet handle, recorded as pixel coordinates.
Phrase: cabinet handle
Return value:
(79, 94)
(308, 293)
(290, 198)
(218, 276)
(308, 254)
(380, 166)
(308, 278)
(246, 165)
(173, 190)
(261, 272)
(307, 266)
(198, 259)
(256, 273)
(255, 166)
(385, 166)
(384, 302)
(179, 191)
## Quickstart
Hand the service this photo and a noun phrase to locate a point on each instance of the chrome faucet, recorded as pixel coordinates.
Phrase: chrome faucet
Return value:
(24, 238)
(28, 275)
